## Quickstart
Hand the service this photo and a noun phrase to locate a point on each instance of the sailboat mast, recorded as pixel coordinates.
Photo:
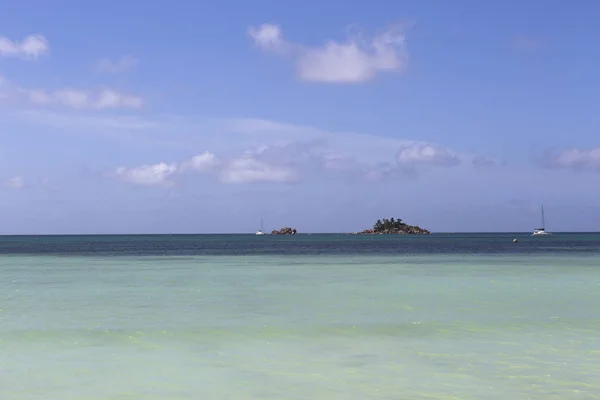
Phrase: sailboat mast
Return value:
(261, 224)
(543, 219)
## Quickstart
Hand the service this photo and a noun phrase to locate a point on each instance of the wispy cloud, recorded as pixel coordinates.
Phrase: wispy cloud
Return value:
(30, 47)
(199, 163)
(256, 150)
(357, 59)
(84, 99)
(74, 98)
(123, 64)
(148, 175)
(102, 98)
(574, 159)
(293, 161)
(16, 182)
(426, 154)
(85, 122)
(247, 169)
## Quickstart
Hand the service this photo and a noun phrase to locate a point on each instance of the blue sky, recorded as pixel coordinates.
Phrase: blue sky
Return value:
(190, 116)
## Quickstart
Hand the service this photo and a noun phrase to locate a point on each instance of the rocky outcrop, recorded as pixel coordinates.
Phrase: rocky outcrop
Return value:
(394, 227)
(284, 231)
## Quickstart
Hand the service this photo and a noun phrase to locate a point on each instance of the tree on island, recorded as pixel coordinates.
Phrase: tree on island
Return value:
(393, 227)
(388, 224)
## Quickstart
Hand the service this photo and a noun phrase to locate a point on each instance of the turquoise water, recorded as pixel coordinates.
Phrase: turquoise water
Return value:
(319, 317)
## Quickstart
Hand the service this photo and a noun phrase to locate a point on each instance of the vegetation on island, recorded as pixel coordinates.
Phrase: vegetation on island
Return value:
(284, 231)
(394, 227)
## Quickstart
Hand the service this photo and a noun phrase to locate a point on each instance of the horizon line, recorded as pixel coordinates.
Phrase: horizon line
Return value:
(297, 234)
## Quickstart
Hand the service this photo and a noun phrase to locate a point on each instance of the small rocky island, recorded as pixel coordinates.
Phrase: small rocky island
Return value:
(394, 227)
(284, 231)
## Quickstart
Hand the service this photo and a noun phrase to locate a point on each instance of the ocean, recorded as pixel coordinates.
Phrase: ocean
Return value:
(235, 317)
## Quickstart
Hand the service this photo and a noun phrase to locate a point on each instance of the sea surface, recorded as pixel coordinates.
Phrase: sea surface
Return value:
(235, 317)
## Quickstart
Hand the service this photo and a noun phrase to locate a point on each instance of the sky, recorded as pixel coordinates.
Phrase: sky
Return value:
(203, 117)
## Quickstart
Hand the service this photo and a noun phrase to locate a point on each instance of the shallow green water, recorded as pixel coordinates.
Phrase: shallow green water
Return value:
(427, 326)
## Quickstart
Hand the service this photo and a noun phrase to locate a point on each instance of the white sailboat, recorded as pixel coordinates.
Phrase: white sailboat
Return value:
(261, 230)
(541, 231)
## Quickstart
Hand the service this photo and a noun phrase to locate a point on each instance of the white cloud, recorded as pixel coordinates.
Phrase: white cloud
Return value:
(255, 150)
(275, 163)
(123, 64)
(16, 182)
(202, 162)
(421, 154)
(576, 159)
(31, 46)
(148, 175)
(101, 98)
(82, 99)
(244, 169)
(354, 60)
(268, 37)
(247, 169)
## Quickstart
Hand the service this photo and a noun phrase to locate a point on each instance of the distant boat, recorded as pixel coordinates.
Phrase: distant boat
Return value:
(261, 230)
(541, 231)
